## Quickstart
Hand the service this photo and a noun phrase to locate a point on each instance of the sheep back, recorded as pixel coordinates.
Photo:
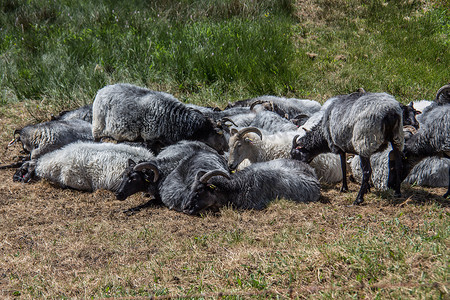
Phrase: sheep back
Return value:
(352, 124)
(89, 166)
(126, 112)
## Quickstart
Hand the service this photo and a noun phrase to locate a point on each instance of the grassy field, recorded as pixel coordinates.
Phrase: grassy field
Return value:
(55, 243)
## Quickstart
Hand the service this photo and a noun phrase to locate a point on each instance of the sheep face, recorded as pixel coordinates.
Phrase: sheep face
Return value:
(299, 152)
(204, 195)
(135, 180)
(216, 140)
(409, 115)
(243, 144)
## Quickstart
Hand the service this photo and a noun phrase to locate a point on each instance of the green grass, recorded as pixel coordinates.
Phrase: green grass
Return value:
(62, 52)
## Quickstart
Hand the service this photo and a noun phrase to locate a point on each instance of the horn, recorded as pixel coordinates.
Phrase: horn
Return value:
(226, 119)
(250, 129)
(410, 128)
(148, 165)
(207, 176)
(445, 98)
(256, 103)
(294, 141)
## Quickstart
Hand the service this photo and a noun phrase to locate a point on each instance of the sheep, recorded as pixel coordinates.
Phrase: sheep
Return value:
(177, 185)
(149, 176)
(272, 122)
(83, 113)
(84, 166)
(45, 137)
(284, 106)
(432, 138)
(126, 112)
(256, 146)
(254, 187)
(358, 123)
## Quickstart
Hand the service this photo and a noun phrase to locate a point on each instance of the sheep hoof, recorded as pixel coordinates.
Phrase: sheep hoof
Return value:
(344, 190)
(446, 195)
(358, 201)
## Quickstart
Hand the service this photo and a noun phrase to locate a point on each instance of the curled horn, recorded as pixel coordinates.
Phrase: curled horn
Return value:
(207, 176)
(226, 119)
(148, 165)
(256, 103)
(410, 129)
(294, 141)
(250, 129)
(445, 97)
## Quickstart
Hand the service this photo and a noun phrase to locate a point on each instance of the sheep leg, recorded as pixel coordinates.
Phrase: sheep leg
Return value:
(367, 171)
(344, 187)
(448, 190)
(398, 171)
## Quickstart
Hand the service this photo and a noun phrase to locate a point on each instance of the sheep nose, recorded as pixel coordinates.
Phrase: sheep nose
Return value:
(120, 196)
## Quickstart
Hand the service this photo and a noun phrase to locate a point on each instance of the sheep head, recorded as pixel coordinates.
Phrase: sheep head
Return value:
(214, 135)
(299, 151)
(243, 144)
(409, 115)
(136, 178)
(206, 193)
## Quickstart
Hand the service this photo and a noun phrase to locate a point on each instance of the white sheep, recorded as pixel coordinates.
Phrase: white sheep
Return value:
(84, 166)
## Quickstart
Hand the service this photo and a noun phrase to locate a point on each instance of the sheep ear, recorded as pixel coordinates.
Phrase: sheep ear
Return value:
(234, 131)
(131, 163)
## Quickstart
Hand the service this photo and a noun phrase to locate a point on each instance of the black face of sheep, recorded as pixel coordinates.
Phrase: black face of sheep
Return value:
(204, 195)
(214, 136)
(299, 152)
(409, 115)
(137, 178)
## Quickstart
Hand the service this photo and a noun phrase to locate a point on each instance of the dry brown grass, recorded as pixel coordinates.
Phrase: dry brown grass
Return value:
(64, 243)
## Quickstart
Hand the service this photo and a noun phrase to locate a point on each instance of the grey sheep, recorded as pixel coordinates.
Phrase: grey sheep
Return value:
(254, 187)
(286, 107)
(126, 112)
(45, 137)
(272, 122)
(358, 123)
(177, 186)
(84, 166)
(83, 113)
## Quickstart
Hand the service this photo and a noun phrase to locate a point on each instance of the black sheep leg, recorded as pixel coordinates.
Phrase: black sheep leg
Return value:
(367, 171)
(344, 187)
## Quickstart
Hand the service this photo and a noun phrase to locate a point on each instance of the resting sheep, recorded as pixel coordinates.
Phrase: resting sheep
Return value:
(45, 137)
(254, 187)
(358, 123)
(83, 113)
(84, 166)
(126, 112)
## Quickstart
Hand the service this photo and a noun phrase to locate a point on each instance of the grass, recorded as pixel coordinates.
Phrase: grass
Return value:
(56, 243)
